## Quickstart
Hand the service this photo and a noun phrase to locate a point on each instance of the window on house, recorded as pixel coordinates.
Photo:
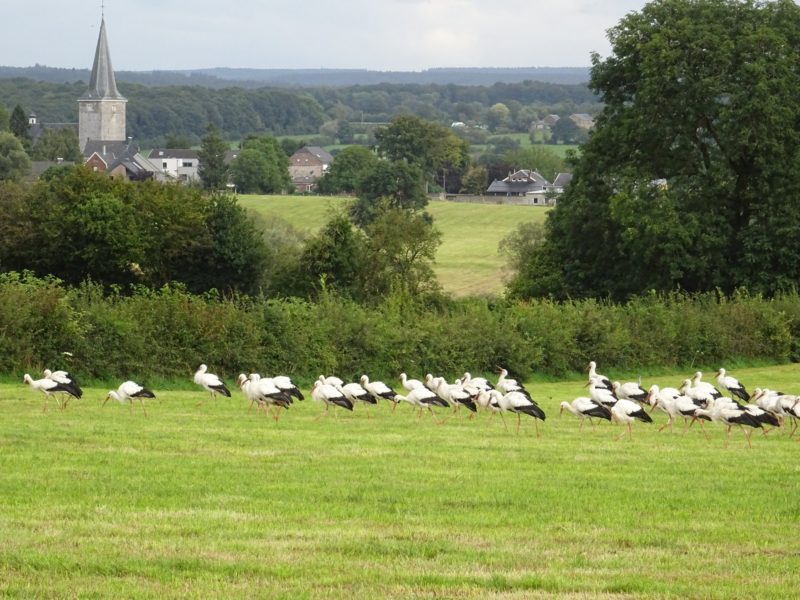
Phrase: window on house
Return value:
(186, 163)
(164, 165)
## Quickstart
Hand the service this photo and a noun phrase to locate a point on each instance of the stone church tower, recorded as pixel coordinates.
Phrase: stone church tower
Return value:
(101, 111)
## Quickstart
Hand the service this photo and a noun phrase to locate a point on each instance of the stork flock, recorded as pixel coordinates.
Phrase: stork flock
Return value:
(693, 401)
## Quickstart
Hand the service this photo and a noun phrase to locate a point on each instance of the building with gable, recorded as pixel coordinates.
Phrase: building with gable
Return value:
(307, 166)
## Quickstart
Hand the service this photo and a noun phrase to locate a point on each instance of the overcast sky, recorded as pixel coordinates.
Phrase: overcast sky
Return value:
(373, 34)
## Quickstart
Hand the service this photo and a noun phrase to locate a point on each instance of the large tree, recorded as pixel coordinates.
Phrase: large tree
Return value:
(212, 169)
(692, 175)
(14, 162)
(349, 168)
(19, 125)
(57, 143)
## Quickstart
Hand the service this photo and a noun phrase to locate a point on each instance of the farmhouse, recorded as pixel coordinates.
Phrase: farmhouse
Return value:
(531, 186)
(120, 159)
(307, 166)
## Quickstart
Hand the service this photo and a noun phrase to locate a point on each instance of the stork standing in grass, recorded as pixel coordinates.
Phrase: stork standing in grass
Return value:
(626, 412)
(66, 379)
(601, 395)
(704, 386)
(379, 389)
(330, 396)
(49, 388)
(601, 381)
(586, 408)
(507, 385)
(268, 395)
(732, 386)
(519, 403)
(629, 390)
(727, 414)
(356, 392)
(210, 382)
(422, 398)
(129, 391)
(455, 394)
(410, 384)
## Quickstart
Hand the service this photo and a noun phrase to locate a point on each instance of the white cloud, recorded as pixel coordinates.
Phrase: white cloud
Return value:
(387, 35)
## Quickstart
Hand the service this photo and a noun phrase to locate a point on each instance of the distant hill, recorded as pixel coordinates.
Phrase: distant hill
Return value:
(254, 78)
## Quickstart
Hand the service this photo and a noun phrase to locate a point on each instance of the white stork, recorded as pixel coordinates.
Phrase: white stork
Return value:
(49, 388)
(379, 389)
(507, 385)
(601, 395)
(626, 412)
(724, 412)
(677, 406)
(422, 398)
(264, 392)
(332, 380)
(330, 396)
(519, 403)
(356, 392)
(629, 391)
(455, 394)
(732, 386)
(129, 391)
(286, 385)
(66, 379)
(704, 386)
(410, 384)
(586, 408)
(699, 395)
(601, 380)
(480, 383)
(210, 382)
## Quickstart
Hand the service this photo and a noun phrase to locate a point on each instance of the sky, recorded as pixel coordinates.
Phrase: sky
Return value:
(385, 35)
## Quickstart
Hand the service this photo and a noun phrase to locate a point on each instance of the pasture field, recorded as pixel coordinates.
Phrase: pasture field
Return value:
(216, 501)
(468, 261)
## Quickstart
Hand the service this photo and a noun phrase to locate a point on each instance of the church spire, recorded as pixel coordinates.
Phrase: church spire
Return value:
(103, 85)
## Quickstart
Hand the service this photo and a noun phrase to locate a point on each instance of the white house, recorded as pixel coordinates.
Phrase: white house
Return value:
(178, 163)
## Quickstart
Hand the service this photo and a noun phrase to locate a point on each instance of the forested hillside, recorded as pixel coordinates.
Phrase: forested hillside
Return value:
(154, 112)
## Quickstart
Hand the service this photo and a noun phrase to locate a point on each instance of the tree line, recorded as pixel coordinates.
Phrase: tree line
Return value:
(154, 112)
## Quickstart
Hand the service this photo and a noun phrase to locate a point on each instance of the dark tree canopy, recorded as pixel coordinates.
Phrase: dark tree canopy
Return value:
(19, 126)
(691, 178)
(213, 171)
(14, 162)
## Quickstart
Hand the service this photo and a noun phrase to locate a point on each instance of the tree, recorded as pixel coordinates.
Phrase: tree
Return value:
(678, 185)
(345, 132)
(4, 118)
(401, 249)
(388, 185)
(348, 170)
(430, 146)
(19, 125)
(14, 162)
(498, 116)
(212, 169)
(334, 257)
(475, 181)
(56, 144)
(565, 130)
(265, 168)
(538, 158)
(177, 140)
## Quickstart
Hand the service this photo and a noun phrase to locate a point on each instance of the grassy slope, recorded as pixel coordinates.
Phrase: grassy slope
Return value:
(467, 262)
(213, 501)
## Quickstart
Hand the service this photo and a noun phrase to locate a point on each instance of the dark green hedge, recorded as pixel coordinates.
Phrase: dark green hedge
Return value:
(167, 333)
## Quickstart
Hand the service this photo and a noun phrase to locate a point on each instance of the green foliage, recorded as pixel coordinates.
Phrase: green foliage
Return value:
(14, 162)
(348, 170)
(177, 140)
(4, 118)
(566, 131)
(430, 146)
(261, 167)
(677, 186)
(79, 224)
(213, 171)
(334, 258)
(162, 332)
(475, 180)
(395, 184)
(57, 144)
(19, 126)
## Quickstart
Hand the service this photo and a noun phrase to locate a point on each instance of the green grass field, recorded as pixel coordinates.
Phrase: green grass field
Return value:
(467, 262)
(215, 501)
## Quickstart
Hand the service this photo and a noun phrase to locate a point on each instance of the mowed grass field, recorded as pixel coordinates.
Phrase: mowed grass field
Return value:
(215, 501)
(468, 261)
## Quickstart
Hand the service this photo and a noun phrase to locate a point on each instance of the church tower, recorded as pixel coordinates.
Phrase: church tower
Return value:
(101, 111)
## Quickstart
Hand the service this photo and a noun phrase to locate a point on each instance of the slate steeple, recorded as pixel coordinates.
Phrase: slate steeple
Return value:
(103, 84)
(101, 110)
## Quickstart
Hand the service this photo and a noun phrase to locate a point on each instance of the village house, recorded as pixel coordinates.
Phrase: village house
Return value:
(529, 187)
(307, 166)
(180, 164)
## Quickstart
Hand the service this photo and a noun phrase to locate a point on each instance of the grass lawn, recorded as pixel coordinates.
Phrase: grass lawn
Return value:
(467, 261)
(215, 501)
